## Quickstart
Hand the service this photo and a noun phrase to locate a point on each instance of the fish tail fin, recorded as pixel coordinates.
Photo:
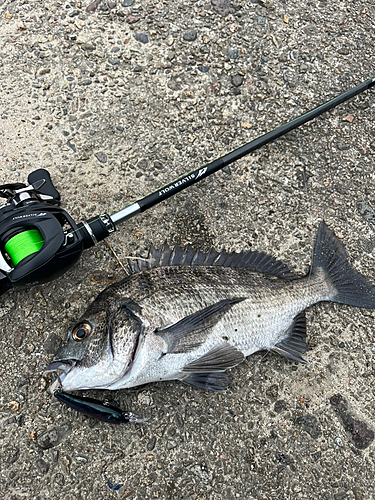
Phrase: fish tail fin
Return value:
(347, 285)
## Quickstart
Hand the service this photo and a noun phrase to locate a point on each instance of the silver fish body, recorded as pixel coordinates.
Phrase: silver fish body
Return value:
(191, 316)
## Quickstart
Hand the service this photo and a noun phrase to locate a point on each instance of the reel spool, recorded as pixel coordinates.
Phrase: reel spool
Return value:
(22, 244)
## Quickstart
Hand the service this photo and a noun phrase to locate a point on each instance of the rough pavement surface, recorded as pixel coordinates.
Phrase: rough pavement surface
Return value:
(116, 100)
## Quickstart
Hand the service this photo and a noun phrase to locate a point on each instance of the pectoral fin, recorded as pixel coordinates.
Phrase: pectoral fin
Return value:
(192, 331)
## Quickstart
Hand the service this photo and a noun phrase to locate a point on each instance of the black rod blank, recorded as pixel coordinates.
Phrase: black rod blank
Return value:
(207, 169)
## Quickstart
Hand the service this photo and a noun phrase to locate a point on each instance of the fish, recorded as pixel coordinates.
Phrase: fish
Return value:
(187, 315)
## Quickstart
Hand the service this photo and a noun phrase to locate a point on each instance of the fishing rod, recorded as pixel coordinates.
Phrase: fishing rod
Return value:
(39, 241)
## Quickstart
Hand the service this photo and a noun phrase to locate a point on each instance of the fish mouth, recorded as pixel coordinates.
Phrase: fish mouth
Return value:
(61, 369)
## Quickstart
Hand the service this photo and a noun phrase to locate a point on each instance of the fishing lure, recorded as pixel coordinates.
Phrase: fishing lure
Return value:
(98, 409)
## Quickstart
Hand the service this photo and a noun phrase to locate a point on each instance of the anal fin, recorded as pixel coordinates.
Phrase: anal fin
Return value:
(211, 382)
(294, 345)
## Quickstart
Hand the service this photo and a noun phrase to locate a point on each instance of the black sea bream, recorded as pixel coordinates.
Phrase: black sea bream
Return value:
(191, 316)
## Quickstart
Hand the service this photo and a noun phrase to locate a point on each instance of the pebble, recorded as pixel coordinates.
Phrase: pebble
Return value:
(338, 441)
(114, 61)
(190, 36)
(151, 443)
(132, 19)
(22, 381)
(42, 466)
(85, 82)
(127, 3)
(272, 391)
(283, 458)
(343, 146)
(173, 84)
(59, 479)
(54, 436)
(72, 146)
(280, 406)
(88, 46)
(361, 435)
(102, 157)
(237, 80)
(93, 6)
(366, 211)
(310, 424)
(232, 54)
(141, 37)
(222, 7)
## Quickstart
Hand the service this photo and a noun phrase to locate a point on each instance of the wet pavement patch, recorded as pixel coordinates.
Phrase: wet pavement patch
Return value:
(360, 434)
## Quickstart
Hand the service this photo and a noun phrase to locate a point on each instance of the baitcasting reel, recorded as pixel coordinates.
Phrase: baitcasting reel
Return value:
(38, 240)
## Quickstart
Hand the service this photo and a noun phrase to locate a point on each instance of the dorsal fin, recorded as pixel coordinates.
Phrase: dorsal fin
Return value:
(177, 256)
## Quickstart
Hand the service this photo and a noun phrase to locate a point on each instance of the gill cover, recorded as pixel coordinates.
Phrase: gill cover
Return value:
(101, 347)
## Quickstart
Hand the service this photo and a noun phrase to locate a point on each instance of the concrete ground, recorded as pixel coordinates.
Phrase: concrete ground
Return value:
(119, 99)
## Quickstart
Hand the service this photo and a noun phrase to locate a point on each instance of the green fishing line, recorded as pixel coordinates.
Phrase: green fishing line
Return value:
(24, 244)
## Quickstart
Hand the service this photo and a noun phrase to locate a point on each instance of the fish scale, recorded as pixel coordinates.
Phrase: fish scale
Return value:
(190, 316)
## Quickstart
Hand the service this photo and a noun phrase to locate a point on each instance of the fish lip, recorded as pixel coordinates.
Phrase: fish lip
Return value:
(64, 365)
(60, 368)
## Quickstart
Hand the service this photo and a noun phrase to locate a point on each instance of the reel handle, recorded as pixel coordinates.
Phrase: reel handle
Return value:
(46, 189)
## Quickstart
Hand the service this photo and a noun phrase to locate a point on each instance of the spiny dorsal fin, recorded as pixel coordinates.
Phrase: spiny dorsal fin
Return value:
(253, 260)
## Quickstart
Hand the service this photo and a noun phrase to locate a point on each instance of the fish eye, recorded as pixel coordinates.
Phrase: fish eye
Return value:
(81, 331)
